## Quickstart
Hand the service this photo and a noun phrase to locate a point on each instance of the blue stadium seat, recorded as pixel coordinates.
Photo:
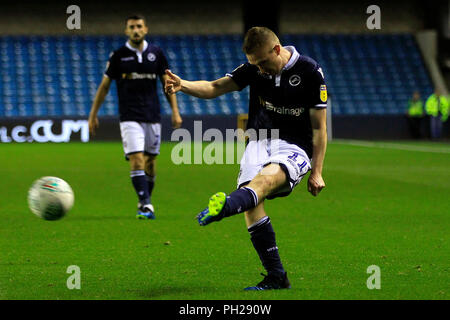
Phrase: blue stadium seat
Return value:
(59, 75)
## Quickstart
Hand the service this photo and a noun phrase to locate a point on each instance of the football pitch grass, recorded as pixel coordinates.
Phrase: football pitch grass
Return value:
(382, 206)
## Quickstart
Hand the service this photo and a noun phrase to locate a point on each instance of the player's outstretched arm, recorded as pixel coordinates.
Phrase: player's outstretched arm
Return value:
(102, 91)
(319, 127)
(200, 89)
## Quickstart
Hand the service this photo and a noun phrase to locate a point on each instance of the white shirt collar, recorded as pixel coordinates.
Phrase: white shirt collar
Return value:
(138, 52)
(294, 57)
(128, 45)
(292, 60)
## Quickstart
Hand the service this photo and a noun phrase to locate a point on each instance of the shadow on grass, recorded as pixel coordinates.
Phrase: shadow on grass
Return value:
(100, 218)
(181, 292)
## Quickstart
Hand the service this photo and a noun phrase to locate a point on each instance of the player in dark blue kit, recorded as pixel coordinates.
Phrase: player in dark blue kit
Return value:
(288, 94)
(135, 67)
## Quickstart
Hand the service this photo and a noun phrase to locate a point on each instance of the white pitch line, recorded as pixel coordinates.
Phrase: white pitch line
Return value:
(394, 146)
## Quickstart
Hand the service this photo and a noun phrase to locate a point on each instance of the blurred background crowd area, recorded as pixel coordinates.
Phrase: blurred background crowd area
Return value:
(49, 70)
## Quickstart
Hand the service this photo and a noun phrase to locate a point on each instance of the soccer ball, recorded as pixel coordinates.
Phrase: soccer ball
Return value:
(50, 198)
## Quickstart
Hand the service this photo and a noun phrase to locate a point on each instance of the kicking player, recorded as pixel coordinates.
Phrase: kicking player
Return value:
(287, 93)
(135, 67)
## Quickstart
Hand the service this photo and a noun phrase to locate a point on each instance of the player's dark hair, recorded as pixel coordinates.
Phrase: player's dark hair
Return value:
(135, 17)
(257, 37)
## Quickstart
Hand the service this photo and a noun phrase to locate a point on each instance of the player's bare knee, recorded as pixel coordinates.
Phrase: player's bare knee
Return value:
(136, 165)
(136, 161)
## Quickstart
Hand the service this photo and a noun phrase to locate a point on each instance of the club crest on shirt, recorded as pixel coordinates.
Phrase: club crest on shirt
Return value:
(151, 57)
(294, 80)
(323, 93)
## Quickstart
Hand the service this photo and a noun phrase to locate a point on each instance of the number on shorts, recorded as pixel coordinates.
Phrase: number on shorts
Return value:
(301, 166)
(294, 156)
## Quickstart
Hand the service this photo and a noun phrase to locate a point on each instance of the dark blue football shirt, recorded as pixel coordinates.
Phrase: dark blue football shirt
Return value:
(136, 76)
(283, 101)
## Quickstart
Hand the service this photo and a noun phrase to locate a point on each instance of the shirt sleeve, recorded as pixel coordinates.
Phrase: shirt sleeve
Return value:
(318, 89)
(242, 75)
(162, 63)
(112, 67)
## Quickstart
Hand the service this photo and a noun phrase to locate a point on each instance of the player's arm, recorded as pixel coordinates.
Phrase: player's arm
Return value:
(172, 99)
(102, 91)
(200, 89)
(319, 127)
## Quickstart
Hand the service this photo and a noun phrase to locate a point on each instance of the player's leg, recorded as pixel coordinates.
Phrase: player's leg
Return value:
(280, 173)
(137, 167)
(254, 215)
(269, 180)
(133, 144)
(263, 239)
(242, 199)
(150, 172)
(140, 184)
(294, 162)
(152, 146)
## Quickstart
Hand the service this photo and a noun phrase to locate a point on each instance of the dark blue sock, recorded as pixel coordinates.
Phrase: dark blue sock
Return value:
(151, 184)
(239, 201)
(263, 239)
(140, 185)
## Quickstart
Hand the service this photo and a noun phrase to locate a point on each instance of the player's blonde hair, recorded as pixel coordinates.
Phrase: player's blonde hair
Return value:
(258, 37)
